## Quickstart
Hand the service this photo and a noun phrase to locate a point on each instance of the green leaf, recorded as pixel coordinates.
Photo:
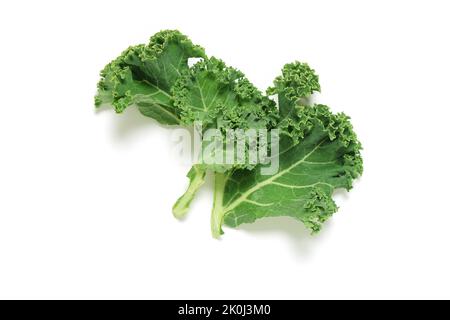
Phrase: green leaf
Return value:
(221, 97)
(144, 75)
(297, 81)
(319, 156)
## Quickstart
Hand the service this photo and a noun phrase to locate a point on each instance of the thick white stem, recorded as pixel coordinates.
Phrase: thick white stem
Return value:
(217, 211)
(197, 177)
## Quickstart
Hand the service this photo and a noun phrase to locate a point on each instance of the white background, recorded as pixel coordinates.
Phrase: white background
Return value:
(86, 197)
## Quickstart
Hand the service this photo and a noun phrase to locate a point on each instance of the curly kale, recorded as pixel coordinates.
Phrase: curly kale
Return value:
(318, 150)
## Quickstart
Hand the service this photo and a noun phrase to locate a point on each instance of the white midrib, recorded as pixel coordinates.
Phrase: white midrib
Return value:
(244, 196)
(157, 88)
(200, 90)
(159, 105)
(168, 112)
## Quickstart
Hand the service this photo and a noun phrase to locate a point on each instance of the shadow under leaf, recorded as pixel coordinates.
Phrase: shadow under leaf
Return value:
(297, 234)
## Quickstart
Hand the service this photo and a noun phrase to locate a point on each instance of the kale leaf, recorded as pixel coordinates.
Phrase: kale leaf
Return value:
(318, 150)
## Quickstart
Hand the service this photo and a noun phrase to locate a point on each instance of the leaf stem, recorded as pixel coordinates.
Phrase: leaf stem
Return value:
(197, 178)
(217, 211)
